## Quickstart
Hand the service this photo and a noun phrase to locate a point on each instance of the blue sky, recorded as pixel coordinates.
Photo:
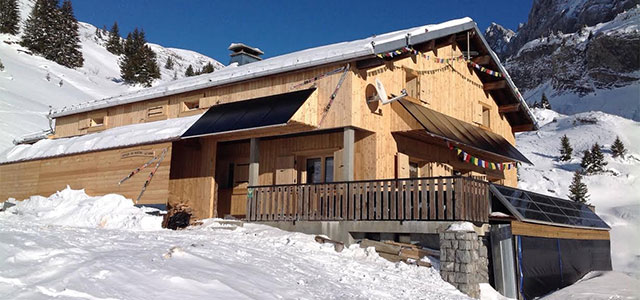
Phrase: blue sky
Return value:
(279, 27)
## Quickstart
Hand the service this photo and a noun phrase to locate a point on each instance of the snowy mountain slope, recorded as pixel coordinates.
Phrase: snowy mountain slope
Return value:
(586, 59)
(70, 246)
(30, 84)
(616, 194)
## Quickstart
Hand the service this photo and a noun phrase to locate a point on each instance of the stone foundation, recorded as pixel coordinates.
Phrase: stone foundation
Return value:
(463, 261)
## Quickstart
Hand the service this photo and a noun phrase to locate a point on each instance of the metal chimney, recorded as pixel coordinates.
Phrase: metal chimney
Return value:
(243, 54)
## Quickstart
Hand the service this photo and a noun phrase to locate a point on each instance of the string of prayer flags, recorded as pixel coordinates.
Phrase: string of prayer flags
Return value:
(485, 70)
(466, 157)
(321, 76)
(403, 50)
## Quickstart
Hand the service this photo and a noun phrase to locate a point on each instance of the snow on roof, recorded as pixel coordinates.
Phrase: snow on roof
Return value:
(117, 137)
(284, 63)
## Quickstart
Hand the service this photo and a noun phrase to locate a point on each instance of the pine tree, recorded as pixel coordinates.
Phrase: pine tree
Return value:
(565, 150)
(618, 148)
(586, 162)
(9, 16)
(39, 32)
(544, 102)
(138, 65)
(114, 44)
(208, 68)
(578, 189)
(535, 105)
(189, 72)
(597, 160)
(69, 49)
(1, 66)
(169, 64)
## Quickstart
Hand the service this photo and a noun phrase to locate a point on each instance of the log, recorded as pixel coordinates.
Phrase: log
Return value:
(338, 246)
(381, 247)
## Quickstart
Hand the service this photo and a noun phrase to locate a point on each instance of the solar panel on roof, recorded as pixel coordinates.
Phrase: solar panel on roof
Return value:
(253, 113)
(537, 208)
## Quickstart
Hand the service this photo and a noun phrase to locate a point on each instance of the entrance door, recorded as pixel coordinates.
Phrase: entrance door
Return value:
(233, 179)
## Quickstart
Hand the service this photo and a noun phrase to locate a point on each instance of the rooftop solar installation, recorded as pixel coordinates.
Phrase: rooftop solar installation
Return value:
(538, 208)
(253, 113)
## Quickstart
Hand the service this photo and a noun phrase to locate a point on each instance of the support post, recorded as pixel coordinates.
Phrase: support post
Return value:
(349, 138)
(254, 161)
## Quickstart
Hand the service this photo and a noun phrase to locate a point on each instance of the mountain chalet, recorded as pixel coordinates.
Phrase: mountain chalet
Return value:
(393, 137)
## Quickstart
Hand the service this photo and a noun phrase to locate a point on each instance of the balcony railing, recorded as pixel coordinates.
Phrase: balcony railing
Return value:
(429, 199)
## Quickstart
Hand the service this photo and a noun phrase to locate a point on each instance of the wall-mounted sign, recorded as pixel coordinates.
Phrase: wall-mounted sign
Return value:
(138, 153)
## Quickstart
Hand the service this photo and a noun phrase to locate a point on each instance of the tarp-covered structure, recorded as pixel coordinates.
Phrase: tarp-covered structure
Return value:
(555, 242)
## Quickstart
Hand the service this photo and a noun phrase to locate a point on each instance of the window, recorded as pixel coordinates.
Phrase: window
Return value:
(319, 169)
(314, 170)
(412, 84)
(486, 116)
(191, 105)
(413, 170)
(328, 169)
(96, 121)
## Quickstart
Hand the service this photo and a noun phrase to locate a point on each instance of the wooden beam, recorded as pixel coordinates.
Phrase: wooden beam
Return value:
(447, 41)
(520, 128)
(482, 60)
(368, 63)
(557, 232)
(489, 86)
(507, 108)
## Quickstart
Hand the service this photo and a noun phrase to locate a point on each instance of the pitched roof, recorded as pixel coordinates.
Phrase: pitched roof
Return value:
(118, 137)
(312, 57)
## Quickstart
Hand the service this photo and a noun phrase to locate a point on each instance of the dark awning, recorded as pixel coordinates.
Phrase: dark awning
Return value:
(253, 113)
(459, 132)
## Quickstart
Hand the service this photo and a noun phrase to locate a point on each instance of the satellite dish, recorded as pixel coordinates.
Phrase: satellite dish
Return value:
(383, 96)
(382, 93)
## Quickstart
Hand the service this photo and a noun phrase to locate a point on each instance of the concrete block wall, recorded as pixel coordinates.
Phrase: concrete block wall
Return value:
(463, 261)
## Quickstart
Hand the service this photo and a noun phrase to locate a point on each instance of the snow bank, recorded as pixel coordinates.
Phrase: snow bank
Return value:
(75, 208)
(600, 285)
(250, 262)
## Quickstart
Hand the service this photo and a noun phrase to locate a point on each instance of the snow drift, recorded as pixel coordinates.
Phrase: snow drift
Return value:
(75, 208)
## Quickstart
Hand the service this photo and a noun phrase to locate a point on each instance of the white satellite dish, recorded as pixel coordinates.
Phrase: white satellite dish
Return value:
(382, 93)
(383, 96)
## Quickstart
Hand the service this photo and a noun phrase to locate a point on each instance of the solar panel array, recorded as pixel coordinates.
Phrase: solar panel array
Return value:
(536, 207)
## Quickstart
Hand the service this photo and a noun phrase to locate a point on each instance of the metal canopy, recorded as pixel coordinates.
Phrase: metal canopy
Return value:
(537, 208)
(254, 113)
(457, 131)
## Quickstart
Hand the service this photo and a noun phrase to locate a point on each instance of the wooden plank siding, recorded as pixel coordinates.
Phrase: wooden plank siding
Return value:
(96, 172)
(549, 231)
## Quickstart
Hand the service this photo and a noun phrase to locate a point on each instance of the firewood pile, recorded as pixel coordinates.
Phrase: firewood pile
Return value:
(396, 252)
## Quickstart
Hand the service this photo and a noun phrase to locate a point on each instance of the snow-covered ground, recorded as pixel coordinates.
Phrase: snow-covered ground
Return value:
(74, 246)
(30, 84)
(616, 194)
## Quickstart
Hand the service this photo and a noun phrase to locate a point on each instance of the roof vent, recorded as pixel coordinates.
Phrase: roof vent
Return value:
(243, 54)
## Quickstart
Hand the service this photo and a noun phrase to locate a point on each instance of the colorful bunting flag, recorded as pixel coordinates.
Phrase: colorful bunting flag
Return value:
(466, 157)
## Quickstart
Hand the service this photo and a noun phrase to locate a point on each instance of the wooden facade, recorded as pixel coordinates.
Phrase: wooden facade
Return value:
(211, 174)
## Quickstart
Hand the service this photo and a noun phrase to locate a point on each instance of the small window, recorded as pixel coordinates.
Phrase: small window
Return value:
(328, 169)
(314, 170)
(96, 121)
(486, 116)
(412, 84)
(413, 170)
(191, 105)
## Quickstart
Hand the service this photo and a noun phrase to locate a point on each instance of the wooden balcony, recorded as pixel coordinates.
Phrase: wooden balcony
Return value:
(414, 199)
